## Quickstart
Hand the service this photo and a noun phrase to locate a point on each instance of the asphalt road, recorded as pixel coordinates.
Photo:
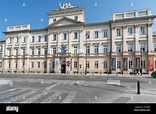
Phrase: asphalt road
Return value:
(39, 88)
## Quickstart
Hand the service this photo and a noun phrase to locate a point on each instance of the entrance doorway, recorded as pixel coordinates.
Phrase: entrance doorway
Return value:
(63, 67)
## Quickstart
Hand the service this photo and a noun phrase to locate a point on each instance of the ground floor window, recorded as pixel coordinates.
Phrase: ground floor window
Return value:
(75, 64)
(96, 64)
(105, 64)
(118, 64)
(87, 64)
(144, 64)
(130, 64)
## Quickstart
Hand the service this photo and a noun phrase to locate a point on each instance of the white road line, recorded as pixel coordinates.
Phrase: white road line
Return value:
(8, 90)
(69, 97)
(13, 93)
(21, 96)
(52, 86)
(51, 98)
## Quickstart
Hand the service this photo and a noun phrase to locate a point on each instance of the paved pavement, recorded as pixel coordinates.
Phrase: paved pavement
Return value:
(45, 88)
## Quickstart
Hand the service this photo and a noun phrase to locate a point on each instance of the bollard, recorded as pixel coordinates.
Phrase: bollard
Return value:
(138, 87)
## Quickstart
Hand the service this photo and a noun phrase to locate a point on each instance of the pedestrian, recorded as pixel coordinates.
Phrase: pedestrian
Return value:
(137, 70)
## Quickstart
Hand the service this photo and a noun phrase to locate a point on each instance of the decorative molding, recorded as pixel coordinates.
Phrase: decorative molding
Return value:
(136, 26)
(124, 26)
(149, 24)
(113, 28)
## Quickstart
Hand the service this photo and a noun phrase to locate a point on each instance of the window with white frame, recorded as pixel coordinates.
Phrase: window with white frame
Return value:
(87, 49)
(105, 48)
(32, 39)
(32, 51)
(39, 51)
(143, 64)
(75, 35)
(105, 64)
(96, 64)
(24, 51)
(142, 30)
(130, 31)
(32, 64)
(118, 64)
(45, 64)
(54, 50)
(45, 51)
(105, 33)
(96, 34)
(96, 49)
(130, 64)
(65, 36)
(130, 47)
(17, 39)
(118, 32)
(87, 34)
(38, 64)
(76, 18)
(24, 39)
(75, 49)
(87, 64)
(54, 37)
(118, 48)
(142, 47)
(75, 64)
(45, 38)
(9, 52)
(16, 51)
(39, 38)
(154, 47)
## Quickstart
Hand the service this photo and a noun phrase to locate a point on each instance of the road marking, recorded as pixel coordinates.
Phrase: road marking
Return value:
(52, 86)
(8, 90)
(21, 96)
(51, 98)
(69, 97)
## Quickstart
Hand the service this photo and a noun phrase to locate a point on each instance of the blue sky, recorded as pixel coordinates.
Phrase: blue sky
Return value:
(34, 12)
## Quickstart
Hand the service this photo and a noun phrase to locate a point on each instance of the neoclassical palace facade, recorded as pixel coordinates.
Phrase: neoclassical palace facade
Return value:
(70, 45)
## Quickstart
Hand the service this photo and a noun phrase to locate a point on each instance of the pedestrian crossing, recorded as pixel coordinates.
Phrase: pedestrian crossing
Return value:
(28, 95)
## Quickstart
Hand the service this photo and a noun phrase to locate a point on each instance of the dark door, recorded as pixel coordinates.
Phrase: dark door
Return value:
(63, 67)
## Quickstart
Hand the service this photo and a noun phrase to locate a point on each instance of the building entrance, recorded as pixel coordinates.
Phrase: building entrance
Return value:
(63, 67)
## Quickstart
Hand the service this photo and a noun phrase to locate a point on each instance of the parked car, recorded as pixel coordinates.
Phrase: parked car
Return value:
(153, 74)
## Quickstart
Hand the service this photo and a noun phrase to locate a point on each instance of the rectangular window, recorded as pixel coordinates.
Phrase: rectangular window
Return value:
(23, 64)
(118, 64)
(105, 48)
(32, 39)
(76, 18)
(87, 34)
(45, 51)
(39, 51)
(16, 51)
(87, 49)
(87, 64)
(32, 51)
(75, 35)
(45, 38)
(17, 39)
(118, 48)
(54, 50)
(130, 47)
(142, 30)
(32, 64)
(38, 64)
(75, 49)
(75, 64)
(45, 64)
(105, 64)
(39, 38)
(9, 50)
(96, 49)
(0, 64)
(142, 47)
(65, 36)
(105, 33)
(154, 47)
(96, 64)
(144, 64)
(118, 32)
(23, 51)
(54, 37)
(130, 64)
(53, 65)
(24, 39)
(54, 20)
(96, 34)
(130, 31)
(16, 65)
